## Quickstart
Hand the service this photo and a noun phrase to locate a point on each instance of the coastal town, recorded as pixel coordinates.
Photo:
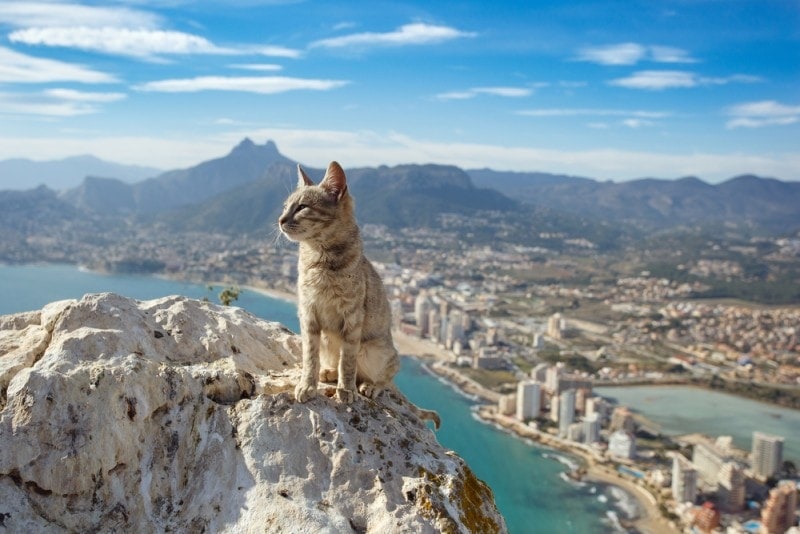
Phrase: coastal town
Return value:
(534, 331)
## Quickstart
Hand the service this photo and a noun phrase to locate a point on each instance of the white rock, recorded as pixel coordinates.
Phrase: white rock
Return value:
(177, 415)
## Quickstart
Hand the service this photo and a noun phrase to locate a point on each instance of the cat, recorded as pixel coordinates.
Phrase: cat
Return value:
(345, 319)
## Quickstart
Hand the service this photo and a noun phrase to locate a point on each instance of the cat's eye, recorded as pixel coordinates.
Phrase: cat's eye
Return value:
(301, 207)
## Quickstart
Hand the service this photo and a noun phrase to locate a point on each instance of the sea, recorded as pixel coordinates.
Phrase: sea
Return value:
(529, 482)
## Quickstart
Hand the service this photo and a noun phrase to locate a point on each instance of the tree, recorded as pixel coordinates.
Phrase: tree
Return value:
(229, 295)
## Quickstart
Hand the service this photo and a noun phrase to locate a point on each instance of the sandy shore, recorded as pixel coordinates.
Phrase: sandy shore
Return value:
(651, 522)
(272, 293)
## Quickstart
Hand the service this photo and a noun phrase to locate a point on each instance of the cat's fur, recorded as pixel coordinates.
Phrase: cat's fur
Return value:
(345, 319)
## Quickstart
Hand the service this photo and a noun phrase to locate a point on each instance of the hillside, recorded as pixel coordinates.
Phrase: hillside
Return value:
(748, 201)
(402, 196)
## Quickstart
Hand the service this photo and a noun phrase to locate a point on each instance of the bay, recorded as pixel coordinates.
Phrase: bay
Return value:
(684, 410)
(528, 481)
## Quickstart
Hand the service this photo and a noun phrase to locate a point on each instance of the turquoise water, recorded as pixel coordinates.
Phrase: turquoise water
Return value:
(526, 479)
(684, 410)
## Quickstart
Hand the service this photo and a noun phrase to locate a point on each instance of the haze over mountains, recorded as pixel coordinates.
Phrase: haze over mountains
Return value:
(243, 191)
(23, 174)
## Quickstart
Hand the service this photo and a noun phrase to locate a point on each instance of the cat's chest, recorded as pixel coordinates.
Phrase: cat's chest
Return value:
(331, 291)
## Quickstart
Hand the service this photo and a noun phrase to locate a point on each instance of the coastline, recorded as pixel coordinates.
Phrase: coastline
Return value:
(649, 521)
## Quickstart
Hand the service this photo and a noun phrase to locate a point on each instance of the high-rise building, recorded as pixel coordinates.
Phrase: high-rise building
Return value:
(767, 455)
(684, 480)
(529, 400)
(708, 460)
(553, 375)
(622, 444)
(434, 324)
(422, 305)
(599, 406)
(622, 419)
(780, 510)
(555, 326)
(397, 312)
(730, 488)
(566, 411)
(539, 373)
(706, 518)
(591, 429)
(507, 404)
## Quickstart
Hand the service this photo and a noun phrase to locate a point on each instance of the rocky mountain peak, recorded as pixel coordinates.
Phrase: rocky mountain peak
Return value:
(177, 415)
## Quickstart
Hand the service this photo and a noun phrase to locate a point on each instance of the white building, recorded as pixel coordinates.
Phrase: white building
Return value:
(731, 488)
(684, 480)
(529, 400)
(621, 444)
(566, 411)
(591, 429)
(507, 404)
(767, 457)
(422, 305)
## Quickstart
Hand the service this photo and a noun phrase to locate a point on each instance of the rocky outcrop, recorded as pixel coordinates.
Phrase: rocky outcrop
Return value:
(177, 415)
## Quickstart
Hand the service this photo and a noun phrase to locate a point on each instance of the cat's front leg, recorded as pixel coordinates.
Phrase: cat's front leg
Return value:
(307, 388)
(346, 385)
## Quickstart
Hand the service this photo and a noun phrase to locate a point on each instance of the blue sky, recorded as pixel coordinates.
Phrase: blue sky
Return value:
(605, 89)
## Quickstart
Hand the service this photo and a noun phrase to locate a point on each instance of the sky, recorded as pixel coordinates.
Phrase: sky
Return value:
(607, 89)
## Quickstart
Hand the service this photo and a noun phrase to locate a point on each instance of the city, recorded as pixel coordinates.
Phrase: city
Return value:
(533, 329)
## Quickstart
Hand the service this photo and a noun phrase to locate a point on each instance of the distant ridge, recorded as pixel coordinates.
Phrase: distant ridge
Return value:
(242, 192)
(23, 174)
(650, 202)
(174, 189)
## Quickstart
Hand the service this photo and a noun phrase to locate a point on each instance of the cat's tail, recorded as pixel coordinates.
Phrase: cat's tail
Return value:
(425, 415)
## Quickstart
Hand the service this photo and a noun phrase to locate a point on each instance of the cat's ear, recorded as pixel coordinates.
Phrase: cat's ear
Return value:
(335, 181)
(302, 178)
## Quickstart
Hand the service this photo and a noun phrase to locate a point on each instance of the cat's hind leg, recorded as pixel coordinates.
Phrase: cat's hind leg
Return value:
(378, 363)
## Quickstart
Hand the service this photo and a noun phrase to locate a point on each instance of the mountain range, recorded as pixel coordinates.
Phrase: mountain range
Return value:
(242, 192)
(62, 174)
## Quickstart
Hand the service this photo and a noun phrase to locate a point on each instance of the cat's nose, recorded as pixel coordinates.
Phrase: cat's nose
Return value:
(283, 219)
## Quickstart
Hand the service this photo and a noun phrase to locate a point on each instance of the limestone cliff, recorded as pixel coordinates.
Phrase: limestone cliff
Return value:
(177, 415)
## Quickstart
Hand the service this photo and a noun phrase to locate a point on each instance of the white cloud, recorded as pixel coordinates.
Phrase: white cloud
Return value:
(23, 14)
(417, 33)
(592, 112)
(138, 43)
(633, 53)
(112, 30)
(508, 92)
(619, 54)
(261, 85)
(275, 51)
(21, 68)
(762, 113)
(657, 80)
(55, 103)
(259, 67)
(637, 123)
(669, 54)
(84, 96)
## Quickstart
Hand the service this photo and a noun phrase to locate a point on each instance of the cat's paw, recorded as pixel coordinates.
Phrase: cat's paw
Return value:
(328, 375)
(304, 392)
(368, 390)
(345, 395)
